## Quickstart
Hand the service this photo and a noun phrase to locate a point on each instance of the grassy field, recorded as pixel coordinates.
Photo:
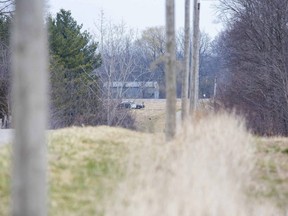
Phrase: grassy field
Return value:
(272, 169)
(214, 167)
(85, 165)
(152, 118)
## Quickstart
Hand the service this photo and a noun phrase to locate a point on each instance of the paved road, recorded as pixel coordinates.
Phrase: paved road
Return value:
(5, 136)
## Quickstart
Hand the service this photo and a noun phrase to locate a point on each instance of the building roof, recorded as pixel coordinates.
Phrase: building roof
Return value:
(132, 84)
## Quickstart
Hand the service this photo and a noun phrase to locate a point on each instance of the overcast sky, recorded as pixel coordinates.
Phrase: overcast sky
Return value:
(138, 14)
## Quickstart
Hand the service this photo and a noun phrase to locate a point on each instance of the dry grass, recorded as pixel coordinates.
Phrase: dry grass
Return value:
(214, 168)
(152, 118)
(85, 165)
(208, 170)
(4, 180)
(272, 169)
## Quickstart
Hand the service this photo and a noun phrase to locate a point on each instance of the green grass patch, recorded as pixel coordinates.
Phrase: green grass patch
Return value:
(272, 170)
(5, 153)
(85, 166)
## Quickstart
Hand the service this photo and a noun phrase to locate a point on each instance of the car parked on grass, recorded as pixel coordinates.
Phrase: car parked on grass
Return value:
(140, 106)
(130, 105)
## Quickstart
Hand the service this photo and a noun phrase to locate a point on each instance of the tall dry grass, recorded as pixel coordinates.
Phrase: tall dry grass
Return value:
(206, 171)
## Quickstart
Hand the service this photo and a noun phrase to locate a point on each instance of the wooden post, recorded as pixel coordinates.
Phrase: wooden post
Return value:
(194, 78)
(170, 71)
(30, 105)
(184, 103)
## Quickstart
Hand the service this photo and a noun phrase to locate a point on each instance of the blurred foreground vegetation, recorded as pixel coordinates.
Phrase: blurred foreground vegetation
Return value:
(86, 165)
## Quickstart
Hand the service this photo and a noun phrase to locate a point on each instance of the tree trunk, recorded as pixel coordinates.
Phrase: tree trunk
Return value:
(29, 40)
(185, 77)
(194, 84)
(170, 71)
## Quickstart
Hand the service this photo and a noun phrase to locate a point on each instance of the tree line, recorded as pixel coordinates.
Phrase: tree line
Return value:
(252, 77)
(81, 64)
(253, 51)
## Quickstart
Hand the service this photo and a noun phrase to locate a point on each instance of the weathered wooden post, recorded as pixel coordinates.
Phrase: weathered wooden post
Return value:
(29, 41)
(185, 78)
(194, 79)
(170, 71)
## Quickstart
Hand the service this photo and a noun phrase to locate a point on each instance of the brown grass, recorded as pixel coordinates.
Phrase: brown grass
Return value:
(272, 169)
(208, 170)
(152, 118)
(85, 166)
(213, 168)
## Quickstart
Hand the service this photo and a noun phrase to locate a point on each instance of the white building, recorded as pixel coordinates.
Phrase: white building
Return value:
(133, 89)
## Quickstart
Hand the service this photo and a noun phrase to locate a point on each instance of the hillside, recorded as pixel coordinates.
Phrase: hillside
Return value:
(85, 165)
(113, 171)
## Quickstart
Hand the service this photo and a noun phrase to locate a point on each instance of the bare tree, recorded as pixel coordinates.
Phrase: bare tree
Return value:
(118, 64)
(208, 66)
(185, 75)
(254, 53)
(170, 71)
(29, 109)
(7, 6)
(152, 43)
(5, 109)
(207, 63)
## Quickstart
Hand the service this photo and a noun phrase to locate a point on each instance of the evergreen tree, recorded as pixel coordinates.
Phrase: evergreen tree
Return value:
(74, 49)
(74, 96)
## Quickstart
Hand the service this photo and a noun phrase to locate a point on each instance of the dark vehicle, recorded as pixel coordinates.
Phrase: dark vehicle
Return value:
(140, 106)
(124, 105)
(130, 105)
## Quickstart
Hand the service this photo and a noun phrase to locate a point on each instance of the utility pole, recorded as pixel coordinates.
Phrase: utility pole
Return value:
(30, 108)
(170, 72)
(186, 64)
(194, 78)
(101, 30)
